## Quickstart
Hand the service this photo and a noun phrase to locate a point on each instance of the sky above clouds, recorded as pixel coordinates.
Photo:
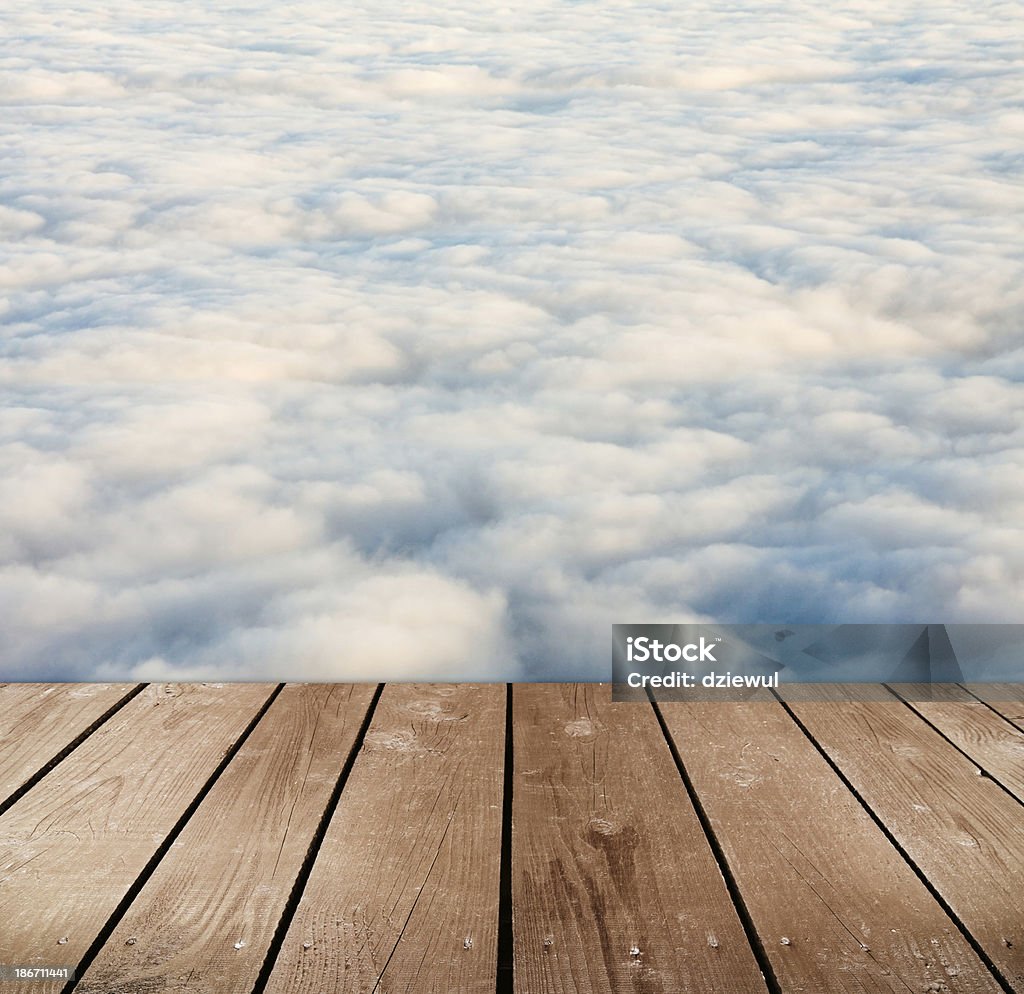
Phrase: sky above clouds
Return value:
(404, 340)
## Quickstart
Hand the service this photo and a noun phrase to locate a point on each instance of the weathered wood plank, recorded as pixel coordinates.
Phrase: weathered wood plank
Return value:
(403, 896)
(615, 886)
(1006, 698)
(834, 904)
(996, 745)
(962, 830)
(72, 847)
(39, 720)
(229, 874)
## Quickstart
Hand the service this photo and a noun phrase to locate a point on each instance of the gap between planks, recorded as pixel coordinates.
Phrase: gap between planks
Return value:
(228, 879)
(829, 896)
(898, 794)
(42, 724)
(73, 848)
(506, 947)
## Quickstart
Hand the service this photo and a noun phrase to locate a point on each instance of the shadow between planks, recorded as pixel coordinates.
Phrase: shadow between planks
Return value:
(535, 838)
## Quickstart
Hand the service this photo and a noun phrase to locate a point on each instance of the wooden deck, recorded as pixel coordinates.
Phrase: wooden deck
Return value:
(536, 839)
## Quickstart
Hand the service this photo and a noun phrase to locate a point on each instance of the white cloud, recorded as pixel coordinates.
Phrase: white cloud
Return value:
(429, 340)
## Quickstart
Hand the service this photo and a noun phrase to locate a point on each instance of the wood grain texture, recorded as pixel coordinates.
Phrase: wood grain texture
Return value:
(71, 848)
(228, 876)
(39, 720)
(615, 886)
(403, 896)
(1006, 698)
(834, 904)
(962, 830)
(994, 743)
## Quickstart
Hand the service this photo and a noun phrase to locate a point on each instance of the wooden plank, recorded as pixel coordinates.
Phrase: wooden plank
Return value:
(834, 904)
(71, 848)
(962, 830)
(1006, 698)
(996, 745)
(229, 874)
(39, 720)
(615, 886)
(403, 896)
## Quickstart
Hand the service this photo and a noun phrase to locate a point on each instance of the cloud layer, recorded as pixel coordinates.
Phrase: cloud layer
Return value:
(394, 340)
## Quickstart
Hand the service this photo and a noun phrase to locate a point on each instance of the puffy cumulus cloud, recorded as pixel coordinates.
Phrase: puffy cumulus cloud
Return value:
(368, 341)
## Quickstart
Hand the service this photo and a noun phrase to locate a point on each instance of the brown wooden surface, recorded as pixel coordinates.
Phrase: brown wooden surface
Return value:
(994, 743)
(75, 843)
(615, 887)
(403, 896)
(961, 829)
(835, 906)
(39, 720)
(229, 874)
(162, 841)
(1006, 698)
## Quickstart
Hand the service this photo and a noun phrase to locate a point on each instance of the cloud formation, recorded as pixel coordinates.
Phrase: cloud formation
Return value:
(348, 341)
